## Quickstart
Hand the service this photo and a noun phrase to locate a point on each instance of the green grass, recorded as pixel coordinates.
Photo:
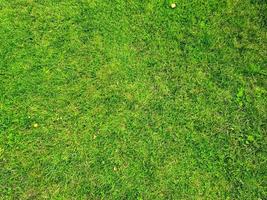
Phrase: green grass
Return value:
(116, 99)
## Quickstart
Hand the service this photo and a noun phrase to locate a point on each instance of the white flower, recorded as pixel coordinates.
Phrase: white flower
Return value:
(173, 5)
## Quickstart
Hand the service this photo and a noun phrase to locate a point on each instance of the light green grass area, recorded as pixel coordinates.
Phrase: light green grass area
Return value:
(131, 99)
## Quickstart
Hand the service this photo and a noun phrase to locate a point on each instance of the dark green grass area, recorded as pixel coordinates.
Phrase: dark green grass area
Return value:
(116, 99)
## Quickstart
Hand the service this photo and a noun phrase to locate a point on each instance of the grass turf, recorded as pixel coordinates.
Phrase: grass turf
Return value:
(119, 99)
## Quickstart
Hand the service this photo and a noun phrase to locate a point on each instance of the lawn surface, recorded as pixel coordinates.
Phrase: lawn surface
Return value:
(116, 99)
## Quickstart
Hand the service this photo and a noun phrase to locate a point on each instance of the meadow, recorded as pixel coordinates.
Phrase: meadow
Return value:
(116, 99)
